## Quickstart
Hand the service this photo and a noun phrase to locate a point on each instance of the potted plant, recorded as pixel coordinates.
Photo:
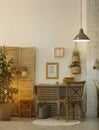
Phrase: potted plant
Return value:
(6, 89)
(65, 79)
(75, 54)
(24, 71)
(43, 110)
(16, 71)
(75, 68)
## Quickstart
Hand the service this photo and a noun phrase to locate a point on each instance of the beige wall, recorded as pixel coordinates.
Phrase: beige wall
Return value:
(28, 22)
(44, 24)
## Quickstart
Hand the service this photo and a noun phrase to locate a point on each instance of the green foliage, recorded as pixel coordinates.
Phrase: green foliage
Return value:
(6, 71)
(74, 64)
(65, 79)
(75, 52)
(43, 105)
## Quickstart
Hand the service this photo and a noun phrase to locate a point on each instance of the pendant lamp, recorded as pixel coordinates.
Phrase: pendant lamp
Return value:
(81, 36)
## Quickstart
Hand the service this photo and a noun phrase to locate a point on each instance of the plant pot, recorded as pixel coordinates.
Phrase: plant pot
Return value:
(75, 58)
(44, 113)
(76, 70)
(24, 73)
(5, 111)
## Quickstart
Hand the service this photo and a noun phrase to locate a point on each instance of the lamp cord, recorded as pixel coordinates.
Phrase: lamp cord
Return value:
(81, 12)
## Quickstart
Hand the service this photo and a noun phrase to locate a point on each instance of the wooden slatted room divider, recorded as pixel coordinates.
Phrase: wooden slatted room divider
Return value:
(22, 56)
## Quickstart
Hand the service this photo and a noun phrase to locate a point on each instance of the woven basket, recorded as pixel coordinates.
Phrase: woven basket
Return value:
(75, 58)
(76, 70)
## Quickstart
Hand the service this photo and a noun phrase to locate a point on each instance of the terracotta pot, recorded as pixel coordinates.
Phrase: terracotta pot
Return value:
(5, 111)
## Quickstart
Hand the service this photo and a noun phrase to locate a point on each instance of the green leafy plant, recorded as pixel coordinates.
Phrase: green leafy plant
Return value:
(74, 64)
(6, 72)
(16, 70)
(43, 105)
(44, 110)
(24, 68)
(75, 53)
(65, 79)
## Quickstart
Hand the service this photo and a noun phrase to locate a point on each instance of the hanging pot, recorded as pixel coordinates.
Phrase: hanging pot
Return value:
(75, 59)
(76, 70)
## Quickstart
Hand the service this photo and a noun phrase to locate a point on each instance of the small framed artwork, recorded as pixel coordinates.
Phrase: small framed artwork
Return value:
(58, 52)
(52, 70)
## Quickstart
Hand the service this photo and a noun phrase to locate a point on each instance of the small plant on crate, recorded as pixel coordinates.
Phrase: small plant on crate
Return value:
(43, 105)
(44, 110)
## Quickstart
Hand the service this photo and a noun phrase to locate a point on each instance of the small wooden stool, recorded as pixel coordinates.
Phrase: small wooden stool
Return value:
(25, 106)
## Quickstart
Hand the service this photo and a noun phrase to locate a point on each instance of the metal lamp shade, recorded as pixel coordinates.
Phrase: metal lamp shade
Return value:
(81, 37)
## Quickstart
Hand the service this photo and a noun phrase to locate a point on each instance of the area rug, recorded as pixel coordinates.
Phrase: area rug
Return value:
(54, 122)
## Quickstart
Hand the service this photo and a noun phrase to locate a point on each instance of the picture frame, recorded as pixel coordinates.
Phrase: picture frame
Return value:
(52, 70)
(58, 52)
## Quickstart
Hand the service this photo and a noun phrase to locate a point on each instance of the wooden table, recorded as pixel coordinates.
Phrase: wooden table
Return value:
(50, 93)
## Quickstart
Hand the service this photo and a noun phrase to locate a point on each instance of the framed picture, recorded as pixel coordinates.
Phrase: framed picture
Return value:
(52, 70)
(58, 52)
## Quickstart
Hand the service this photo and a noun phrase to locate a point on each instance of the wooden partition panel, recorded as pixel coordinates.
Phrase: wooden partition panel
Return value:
(13, 53)
(22, 56)
(26, 84)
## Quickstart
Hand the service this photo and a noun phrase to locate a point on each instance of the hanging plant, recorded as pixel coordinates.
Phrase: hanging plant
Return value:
(75, 54)
(75, 51)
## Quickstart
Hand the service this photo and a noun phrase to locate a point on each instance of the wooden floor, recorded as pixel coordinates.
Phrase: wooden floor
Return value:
(27, 124)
